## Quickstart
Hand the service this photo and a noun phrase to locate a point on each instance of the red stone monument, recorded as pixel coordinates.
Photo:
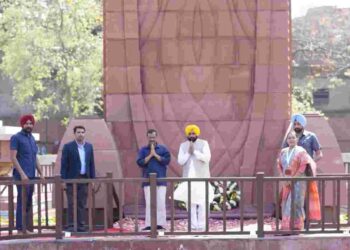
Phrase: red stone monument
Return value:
(223, 65)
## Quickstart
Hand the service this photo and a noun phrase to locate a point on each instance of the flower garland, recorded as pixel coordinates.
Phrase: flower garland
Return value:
(233, 196)
(232, 192)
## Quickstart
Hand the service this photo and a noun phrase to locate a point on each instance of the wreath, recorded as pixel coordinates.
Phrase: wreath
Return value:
(232, 193)
(233, 196)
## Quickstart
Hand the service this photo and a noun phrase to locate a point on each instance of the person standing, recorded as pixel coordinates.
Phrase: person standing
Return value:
(77, 162)
(23, 153)
(292, 162)
(194, 156)
(306, 139)
(154, 158)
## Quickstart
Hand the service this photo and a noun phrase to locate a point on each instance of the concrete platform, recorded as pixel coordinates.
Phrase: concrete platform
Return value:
(249, 212)
(318, 242)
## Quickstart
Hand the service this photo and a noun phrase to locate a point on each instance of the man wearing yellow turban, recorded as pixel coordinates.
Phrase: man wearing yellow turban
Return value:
(192, 128)
(194, 156)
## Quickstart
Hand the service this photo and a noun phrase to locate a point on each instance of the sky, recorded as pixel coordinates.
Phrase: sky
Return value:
(299, 7)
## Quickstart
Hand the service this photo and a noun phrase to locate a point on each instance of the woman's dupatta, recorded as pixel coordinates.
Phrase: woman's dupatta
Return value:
(314, 199)
(298, 166)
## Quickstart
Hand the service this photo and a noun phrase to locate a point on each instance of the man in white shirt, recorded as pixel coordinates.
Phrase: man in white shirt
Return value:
(194, 155)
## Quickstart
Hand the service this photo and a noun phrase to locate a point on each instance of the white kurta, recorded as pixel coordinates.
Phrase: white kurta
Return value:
(194, 166)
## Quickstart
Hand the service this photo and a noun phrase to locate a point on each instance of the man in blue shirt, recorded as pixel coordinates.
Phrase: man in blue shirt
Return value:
(77, 162)
(23, 151)
(154, 158)
(306, 139)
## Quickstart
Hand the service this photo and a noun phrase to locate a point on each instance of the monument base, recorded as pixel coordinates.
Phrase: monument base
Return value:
(338, 241)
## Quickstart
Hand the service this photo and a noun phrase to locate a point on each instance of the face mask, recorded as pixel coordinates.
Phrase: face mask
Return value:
(298, 130)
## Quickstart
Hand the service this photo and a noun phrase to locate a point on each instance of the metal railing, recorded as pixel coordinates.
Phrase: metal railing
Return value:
(258, 185)
(48, 170)
(42, 201)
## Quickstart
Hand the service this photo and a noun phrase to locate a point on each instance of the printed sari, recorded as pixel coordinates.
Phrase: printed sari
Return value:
(297, 161)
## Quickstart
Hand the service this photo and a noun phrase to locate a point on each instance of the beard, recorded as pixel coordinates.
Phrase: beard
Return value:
(298, 130)
(192, 139)
(28, 130)
(80, 139)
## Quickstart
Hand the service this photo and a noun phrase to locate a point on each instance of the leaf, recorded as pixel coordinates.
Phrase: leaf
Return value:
(52, 56)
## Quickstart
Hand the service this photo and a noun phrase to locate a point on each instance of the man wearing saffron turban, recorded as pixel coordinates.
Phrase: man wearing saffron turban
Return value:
(194, 156)
(23, 150)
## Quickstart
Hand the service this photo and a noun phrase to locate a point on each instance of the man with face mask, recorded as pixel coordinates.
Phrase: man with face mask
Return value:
(154, 158)
(194, 156)
(23, 151)
(306, 139)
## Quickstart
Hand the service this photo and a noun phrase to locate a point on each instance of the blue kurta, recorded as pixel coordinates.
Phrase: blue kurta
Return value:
(154, 166)
(27, 150)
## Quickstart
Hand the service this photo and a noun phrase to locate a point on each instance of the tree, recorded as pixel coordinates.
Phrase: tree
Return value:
(302, 96)
(321, 49)
(52, 52)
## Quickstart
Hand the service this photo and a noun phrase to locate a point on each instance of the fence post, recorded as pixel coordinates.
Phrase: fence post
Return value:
(52, 169)
(58, 203)
(260, 203)
(109, 195)
(153, 202)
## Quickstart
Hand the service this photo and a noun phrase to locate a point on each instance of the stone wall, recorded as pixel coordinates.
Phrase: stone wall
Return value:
(223, 65)
(186, 243)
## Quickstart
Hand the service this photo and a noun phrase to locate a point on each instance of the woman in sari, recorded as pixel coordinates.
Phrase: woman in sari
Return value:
(294, 161)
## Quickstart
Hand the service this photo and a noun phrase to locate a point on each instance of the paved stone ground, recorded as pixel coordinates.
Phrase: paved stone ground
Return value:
(214, 225)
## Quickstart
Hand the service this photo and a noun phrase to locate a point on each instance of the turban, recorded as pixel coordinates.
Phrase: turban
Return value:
(192, 128)
(299, 118)
(25, 118)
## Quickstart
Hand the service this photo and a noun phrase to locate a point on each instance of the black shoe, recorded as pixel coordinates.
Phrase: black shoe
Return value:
(69, 229)
(146, 229)
(160, 227)
(80, 230)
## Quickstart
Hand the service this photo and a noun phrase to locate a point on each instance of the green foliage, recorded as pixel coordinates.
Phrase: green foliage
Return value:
(52, 54)
(51, 220)
(321, 51)
(302, 99)
(302, 96)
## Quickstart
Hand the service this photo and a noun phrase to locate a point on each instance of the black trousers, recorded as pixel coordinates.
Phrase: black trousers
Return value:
(81, 204)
